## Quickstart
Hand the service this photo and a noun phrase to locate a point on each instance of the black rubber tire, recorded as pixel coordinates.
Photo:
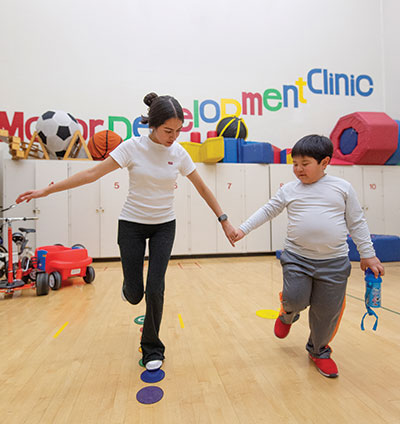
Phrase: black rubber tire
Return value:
(78, 246)
(90, 274)
(55, 280)
(42, 284)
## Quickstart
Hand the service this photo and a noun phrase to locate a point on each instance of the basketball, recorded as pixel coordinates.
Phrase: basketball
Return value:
(232, 127)
(102, 143)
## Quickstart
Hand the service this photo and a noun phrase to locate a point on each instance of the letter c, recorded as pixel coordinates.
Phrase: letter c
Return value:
(309, 80)
(358, 83)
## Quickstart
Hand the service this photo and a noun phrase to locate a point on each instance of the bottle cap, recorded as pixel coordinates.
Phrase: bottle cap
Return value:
(369, 271)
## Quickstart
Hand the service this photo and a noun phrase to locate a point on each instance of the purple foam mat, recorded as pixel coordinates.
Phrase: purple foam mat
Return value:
(152, 376)
(149, 394)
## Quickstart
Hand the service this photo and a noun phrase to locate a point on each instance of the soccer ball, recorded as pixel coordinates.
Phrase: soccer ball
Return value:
(56, 129)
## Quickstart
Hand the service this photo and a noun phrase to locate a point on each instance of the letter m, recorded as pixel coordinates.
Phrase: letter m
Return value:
(17, 124)
(251, 97)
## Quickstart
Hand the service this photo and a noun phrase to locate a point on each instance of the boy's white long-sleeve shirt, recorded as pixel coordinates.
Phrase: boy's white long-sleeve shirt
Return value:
(320, 215)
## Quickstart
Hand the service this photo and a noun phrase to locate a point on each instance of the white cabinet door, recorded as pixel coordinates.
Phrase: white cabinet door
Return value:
(352, 174)
(279, 174)
(113, 192)
(373, 199)
(256, 194)
(52, 226)
(84, 212)
(202, 222)
(391, 199)
(181, 207)
(230, 195)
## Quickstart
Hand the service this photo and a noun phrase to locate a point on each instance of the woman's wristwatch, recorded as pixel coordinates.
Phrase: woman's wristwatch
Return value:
(222, 218)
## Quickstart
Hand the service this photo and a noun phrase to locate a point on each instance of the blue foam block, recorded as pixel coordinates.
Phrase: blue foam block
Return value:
(231, 150)
(387, 248)
(255, 152)
(278, 254)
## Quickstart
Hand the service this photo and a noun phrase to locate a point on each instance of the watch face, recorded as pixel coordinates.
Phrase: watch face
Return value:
(223, 217)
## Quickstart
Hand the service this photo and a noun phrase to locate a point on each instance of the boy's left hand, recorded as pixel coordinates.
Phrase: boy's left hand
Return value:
(229, 231)
(374, 264)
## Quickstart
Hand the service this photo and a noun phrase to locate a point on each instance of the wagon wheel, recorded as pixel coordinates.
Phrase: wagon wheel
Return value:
(90, 274)
(42, 283)
(55, 280)
(78, 246)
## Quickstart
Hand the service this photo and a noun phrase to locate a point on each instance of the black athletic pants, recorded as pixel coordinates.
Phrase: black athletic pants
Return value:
(132, 244)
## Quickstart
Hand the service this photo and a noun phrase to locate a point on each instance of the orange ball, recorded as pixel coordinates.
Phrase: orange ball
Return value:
(102, 143)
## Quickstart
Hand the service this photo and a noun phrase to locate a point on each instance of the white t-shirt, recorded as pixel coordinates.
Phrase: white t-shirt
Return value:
(153, 170)
(320, 215)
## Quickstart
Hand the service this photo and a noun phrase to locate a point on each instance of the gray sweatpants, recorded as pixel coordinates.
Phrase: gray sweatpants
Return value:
(321, 285)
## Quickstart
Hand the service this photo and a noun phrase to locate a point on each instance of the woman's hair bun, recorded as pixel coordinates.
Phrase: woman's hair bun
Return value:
(148, 98)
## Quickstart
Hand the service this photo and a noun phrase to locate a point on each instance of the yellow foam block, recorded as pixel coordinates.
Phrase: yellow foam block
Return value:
(211, 151)
(193, 149)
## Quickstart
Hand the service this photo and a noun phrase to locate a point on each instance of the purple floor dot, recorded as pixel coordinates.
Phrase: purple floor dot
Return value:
(152, 376)
(149, 394)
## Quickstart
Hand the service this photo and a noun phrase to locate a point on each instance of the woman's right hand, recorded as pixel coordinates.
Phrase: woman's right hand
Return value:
(31, 194)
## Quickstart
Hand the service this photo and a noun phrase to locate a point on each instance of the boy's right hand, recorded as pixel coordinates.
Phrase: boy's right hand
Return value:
(239, 235)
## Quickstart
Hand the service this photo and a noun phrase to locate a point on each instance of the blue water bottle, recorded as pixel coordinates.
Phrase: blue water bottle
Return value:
(372, 296)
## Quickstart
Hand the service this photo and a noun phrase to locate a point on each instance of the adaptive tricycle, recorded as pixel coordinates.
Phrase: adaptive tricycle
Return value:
(20, 274)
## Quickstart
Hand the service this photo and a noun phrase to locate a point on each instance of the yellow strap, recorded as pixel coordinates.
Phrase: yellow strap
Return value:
(226, 126)
(238, 129)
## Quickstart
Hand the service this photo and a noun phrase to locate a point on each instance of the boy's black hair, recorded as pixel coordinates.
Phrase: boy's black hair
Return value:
(315, 146)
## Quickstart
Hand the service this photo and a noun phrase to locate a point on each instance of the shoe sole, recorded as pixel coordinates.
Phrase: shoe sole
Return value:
(327, 375)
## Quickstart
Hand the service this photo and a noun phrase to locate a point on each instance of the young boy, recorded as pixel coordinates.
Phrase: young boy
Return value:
(321, 211)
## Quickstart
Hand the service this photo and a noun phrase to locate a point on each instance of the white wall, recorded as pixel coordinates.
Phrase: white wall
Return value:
(97, 59)
(391, 38)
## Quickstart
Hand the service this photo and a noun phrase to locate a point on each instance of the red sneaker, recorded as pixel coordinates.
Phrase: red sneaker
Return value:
(281, 329)
(326, 366)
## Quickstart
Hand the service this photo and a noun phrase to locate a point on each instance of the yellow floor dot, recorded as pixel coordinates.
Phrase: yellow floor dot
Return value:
(267, 313)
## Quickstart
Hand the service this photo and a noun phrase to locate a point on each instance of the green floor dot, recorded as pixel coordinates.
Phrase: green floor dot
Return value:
(139, 320)
(141, 363)
(267, 313)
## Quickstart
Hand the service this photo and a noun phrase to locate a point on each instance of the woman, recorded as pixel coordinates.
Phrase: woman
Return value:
(153, 163)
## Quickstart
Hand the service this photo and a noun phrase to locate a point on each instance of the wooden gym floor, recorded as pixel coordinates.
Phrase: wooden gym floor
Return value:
(223, 363)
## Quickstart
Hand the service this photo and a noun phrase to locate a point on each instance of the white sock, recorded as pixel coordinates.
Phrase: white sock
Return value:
(153, 365)
(122, 295)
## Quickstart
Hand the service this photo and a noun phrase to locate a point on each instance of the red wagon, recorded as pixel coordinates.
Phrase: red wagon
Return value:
(58, 263)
